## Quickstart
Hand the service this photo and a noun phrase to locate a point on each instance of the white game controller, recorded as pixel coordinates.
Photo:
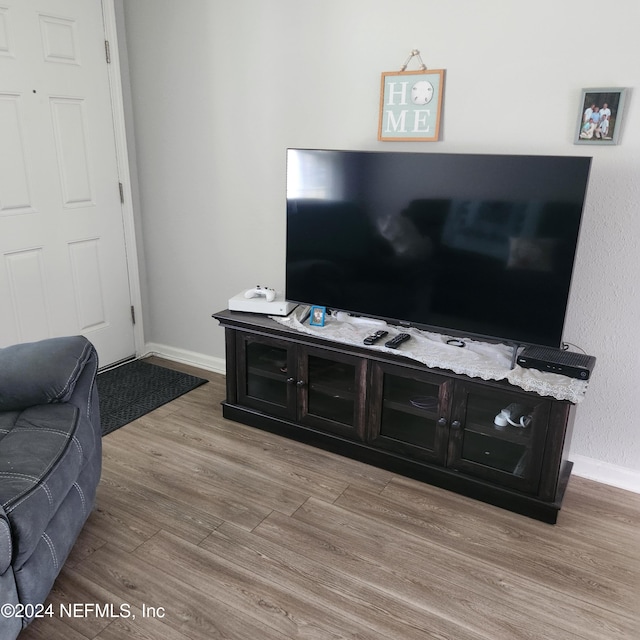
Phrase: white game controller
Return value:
(269, 294)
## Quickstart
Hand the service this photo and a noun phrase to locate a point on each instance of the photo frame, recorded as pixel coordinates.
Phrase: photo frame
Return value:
(600, 116)
(317, 316)
(411, 105)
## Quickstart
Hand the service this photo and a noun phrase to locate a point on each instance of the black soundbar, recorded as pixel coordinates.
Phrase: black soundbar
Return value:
(564, 363)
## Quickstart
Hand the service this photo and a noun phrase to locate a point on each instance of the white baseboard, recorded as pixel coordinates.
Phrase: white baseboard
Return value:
(607, 473)
(208, 363)
(584, 467)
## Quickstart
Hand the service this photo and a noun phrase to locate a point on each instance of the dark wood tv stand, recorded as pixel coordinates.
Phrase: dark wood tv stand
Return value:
(384, 409)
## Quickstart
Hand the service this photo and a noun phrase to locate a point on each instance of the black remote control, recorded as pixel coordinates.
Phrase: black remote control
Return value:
(375, 337)
(394, 343)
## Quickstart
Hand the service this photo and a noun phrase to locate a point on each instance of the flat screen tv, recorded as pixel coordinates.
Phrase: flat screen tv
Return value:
(462, 244)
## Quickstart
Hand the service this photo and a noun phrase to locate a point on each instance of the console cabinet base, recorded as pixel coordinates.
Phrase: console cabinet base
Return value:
(385, 410)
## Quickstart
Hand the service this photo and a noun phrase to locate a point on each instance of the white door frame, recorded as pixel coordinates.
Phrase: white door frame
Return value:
(120, 135)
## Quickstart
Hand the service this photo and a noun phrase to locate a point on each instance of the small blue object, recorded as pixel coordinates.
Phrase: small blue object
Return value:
(317, 316)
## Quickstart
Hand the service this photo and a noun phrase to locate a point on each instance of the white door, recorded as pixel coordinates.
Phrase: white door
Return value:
(63, 263)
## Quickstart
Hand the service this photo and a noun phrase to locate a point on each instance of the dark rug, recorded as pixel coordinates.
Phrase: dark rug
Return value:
(136, 388)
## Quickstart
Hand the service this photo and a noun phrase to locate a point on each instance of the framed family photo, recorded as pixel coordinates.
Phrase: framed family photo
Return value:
(600, 116)
(317, 316)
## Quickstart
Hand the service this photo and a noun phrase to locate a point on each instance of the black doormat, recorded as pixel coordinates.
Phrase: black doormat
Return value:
(136, 388)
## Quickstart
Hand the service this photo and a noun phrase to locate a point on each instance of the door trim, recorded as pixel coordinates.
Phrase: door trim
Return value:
(122, 158)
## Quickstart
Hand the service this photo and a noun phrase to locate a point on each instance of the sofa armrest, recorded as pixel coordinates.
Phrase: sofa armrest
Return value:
(6, 545)
(41, 372)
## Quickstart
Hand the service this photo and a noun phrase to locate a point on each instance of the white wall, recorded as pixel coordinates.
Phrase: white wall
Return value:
(220, 88)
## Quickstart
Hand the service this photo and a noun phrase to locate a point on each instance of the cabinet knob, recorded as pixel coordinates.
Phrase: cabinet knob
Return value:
(291, 380)
(442, 422)
(300, 383)
(455, 424)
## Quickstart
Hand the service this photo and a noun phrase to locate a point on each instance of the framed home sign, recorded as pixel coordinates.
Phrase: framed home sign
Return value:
(600, 116)
(411, 105)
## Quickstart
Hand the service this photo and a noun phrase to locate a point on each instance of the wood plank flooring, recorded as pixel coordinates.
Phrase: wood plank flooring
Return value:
(205, 529)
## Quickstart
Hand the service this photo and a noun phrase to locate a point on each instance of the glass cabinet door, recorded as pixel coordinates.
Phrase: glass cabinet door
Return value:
(499, 435)
(331, 392)
(266, 376)
(409, 412)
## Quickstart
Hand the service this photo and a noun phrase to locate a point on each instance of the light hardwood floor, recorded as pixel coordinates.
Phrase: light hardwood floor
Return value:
(231, 532)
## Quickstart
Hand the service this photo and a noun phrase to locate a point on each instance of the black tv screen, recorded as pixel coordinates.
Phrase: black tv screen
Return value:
(464, 244)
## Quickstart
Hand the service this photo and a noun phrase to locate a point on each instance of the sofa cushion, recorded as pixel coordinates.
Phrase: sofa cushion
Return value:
(41, 372)
(42, 452)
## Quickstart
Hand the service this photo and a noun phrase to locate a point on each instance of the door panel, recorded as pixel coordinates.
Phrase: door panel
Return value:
(409, 412)
(332, 390)
(63, 261)
(508, 453)
(266, 369)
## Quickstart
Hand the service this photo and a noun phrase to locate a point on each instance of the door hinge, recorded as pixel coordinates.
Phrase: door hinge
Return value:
(107, 51)
(133, 314)
(121, 190)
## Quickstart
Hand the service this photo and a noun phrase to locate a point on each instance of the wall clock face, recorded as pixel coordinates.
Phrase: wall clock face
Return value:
(421, 92)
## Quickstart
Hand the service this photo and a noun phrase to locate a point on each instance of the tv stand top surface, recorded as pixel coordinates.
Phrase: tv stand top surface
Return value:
(476, 360)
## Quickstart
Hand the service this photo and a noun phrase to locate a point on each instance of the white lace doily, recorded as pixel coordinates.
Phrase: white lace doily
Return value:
(476, 359)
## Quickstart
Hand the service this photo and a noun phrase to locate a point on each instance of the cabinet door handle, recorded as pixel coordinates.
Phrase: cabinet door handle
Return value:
(300, 383)
(456, 424)
(442, 422)
(291, 380)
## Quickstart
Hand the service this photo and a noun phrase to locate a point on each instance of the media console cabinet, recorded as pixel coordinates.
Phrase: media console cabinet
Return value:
(392, 412)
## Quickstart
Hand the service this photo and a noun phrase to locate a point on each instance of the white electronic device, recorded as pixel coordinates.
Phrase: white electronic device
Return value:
(262, 300)
(516, 415)
(343, 316)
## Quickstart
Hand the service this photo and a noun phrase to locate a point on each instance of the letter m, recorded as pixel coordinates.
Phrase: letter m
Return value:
(398, 124)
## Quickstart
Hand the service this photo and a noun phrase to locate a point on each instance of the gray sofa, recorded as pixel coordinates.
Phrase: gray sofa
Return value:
(50, 465)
